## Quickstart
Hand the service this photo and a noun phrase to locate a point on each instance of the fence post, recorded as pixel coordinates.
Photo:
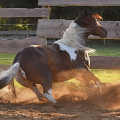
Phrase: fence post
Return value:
(45, 17)
(104, 41)
(27, 33)
(43, 14)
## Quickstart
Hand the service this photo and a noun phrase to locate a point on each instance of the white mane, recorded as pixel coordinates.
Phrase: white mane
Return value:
(74, 37)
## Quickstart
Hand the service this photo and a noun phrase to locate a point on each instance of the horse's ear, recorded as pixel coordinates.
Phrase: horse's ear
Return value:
(77, 20)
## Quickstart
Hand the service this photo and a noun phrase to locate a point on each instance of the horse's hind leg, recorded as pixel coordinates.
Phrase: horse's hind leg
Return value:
(26, 83)
(47, 89)
(48, 95)
(36, 91)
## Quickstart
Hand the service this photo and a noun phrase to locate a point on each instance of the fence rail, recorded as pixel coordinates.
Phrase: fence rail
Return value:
(16, 45)
(79, 2)
(20, 32)
(105, 62)
(8, 35)
(54, 28)
(24, 12)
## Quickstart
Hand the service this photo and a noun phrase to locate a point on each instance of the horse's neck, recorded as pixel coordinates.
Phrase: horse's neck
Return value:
(75, 37)
(75, 34)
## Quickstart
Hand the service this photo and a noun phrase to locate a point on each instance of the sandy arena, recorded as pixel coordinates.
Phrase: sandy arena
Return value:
(72, 105)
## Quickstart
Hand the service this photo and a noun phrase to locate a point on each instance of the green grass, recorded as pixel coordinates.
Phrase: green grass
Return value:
(106, 76)
(6, 59)
(106, 50)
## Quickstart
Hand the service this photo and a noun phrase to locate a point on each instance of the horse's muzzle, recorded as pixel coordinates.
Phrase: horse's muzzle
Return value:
(104, 33)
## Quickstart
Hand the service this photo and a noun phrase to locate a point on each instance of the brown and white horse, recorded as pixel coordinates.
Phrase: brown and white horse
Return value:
(64, 59)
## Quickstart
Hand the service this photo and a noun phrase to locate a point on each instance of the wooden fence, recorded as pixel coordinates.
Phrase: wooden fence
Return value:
(13, 46)
(9, 35)
(16, 45)
(49, 28)
(54, 28)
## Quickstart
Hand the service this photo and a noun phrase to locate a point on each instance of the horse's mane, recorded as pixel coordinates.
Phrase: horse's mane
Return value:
(74, 37)
(97, 17)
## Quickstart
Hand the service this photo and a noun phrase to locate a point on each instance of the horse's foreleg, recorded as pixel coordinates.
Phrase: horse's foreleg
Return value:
(93, 78)
(90, 78)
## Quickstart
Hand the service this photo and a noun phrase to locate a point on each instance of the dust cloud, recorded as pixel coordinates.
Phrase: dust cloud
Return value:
(109, 99)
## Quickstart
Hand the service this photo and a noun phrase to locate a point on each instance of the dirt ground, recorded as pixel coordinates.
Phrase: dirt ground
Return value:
(71, 105)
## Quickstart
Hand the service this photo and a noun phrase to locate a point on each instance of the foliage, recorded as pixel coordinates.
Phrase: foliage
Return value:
(18, 3)
(18, 21)
(110, 13)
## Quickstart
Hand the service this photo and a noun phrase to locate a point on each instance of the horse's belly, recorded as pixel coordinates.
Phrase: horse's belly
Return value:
(65, 75)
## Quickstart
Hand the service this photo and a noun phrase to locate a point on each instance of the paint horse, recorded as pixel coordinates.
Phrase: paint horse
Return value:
(65, 59)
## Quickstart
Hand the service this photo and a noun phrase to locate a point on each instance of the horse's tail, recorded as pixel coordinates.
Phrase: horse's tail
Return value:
(7, 76)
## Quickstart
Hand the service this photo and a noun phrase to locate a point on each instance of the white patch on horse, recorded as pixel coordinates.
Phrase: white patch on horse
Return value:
(49, 97)
(69, 50)
(23, 73)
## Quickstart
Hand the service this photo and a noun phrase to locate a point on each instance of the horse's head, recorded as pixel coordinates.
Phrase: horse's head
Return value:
(90, 21)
